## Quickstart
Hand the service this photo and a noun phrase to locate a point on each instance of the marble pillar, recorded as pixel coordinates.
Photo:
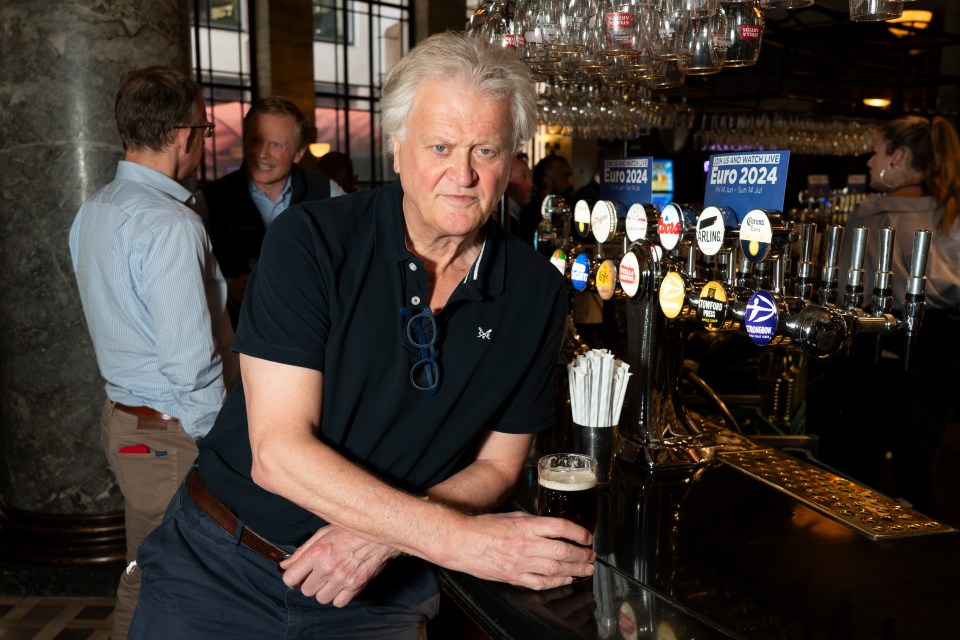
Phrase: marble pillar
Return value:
(284, 52)
(61, 65)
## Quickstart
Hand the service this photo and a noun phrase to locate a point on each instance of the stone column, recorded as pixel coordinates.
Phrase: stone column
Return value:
(62, 62)
(284, 52)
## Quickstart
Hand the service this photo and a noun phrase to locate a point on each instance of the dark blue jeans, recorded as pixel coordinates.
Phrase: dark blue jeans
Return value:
(198, 582)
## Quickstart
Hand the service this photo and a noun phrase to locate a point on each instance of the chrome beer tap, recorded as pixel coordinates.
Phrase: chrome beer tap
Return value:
(853, 296)
(553, 231)
(882, 300)
(663, 290)
(830, 274)
(882, 287)
(914, 303)
(803, 282)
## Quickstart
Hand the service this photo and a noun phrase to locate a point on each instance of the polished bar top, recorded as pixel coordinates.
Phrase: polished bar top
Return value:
(713, 553)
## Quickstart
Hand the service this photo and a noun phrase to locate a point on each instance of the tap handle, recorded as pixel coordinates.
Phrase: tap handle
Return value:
(832, 255)
(882, 292)
(744, 275)
(691, 263)
(729, 262)
(808, 231)
(830, 276)
(853, 298)
(914, 303)
(918, 262)
(804, 279)
(778, 274)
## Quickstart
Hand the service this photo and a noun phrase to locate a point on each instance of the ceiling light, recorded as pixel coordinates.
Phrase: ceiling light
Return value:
(912, 19)
(318, 149)
(882, 103)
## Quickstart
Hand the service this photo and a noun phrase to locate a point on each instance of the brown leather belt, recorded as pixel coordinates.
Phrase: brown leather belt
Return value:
(219, 513)
(145, 412)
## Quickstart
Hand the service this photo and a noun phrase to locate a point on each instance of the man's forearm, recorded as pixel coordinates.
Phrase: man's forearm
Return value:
(487, 481)
(479, 488)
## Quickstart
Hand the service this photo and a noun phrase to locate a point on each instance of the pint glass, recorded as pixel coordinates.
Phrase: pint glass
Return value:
(567, 488)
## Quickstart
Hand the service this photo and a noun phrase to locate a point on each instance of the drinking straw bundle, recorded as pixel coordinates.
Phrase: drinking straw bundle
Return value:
(598, 384)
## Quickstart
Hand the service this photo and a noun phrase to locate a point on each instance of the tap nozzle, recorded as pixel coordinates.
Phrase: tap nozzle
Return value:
(914, 303)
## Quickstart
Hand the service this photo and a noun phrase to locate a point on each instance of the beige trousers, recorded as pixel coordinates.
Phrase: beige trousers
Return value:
(147, 481)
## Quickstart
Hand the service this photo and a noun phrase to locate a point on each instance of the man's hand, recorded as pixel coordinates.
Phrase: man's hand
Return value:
(335, 565)
(523, 550)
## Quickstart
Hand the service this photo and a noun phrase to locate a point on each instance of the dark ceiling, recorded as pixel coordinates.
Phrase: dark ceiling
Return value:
(816, 60)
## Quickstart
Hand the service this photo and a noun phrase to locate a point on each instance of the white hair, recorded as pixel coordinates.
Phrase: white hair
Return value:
(456, 57)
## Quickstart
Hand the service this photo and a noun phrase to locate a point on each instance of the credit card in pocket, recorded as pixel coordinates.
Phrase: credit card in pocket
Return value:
(134, 448)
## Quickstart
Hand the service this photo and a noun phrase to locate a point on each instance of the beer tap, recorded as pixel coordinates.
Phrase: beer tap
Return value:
(663, 289)
(607, 220)
(830, 273)
(744, 273)
(882, 301)
(819, 331)
(882, 288)
(853, 297)
(914, 303)
(677, 226)
(765, 234)
(608, 223)
(716, 238)
(638, 222)
(803, 283)
(553, 231)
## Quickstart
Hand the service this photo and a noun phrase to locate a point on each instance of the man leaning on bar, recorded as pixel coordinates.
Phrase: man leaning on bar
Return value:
(397, 352)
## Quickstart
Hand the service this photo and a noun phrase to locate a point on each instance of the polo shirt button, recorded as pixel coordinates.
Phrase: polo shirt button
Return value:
(413, 267)
(415, 301)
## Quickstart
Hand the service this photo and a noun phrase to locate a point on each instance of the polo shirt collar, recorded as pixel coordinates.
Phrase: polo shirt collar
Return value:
(487, 275)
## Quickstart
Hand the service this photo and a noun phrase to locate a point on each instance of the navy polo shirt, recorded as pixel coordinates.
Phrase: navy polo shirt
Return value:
(327, 294)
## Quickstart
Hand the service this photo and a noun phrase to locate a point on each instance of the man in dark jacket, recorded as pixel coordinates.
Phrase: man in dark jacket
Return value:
(242, 204)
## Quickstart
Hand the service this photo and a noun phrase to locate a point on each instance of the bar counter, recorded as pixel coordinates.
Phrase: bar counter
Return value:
(710, 553)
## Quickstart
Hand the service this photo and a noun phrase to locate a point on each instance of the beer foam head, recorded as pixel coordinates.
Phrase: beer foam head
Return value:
(568, 480)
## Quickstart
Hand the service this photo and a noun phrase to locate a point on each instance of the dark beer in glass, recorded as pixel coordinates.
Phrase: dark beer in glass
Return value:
(567, 488)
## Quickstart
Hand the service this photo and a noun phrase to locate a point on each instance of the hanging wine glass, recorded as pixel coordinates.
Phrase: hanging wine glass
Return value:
(706, 57)
(745, 29)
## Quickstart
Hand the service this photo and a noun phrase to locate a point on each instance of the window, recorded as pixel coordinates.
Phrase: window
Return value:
(348, 75)
(356, 42)
(221, 63)
(331, 21)
(217, 14)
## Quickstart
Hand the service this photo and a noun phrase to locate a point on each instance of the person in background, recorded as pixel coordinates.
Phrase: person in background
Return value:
(916, 165)
(398, 350)
(519, 195)
(553, 175)
(590, 191)
(242, 204)
(155, 304)
(339, 167)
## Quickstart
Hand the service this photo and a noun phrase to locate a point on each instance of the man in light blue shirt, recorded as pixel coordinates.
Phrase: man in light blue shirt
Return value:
(155, 304)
